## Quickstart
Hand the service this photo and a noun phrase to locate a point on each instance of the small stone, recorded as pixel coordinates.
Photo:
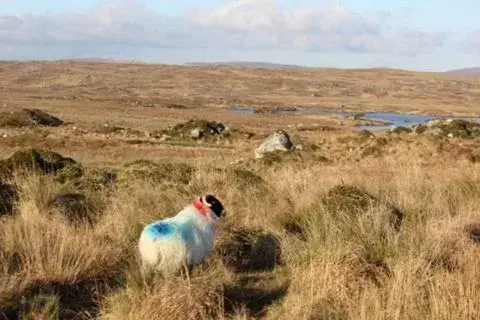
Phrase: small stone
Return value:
(165, 137)
(433, 123)
(196, 133)
(436, 131)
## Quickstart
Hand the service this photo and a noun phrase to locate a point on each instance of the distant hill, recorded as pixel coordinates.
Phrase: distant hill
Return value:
(250, 64)
(269, 65)
(466, 71)
(99, 60)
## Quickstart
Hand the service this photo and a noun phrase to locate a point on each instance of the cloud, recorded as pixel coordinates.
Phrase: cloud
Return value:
(329, 28)
(240, 24)
(124, 22)
(471, 42)
(257, 15)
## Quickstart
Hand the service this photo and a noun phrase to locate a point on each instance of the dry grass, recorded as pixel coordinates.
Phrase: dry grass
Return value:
(283, 251)
(335, 263)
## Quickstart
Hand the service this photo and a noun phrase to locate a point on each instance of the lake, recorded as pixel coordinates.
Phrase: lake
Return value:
(393, 119)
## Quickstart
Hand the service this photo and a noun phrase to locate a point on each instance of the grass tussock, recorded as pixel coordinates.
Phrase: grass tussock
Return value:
(196, 299)
(159, 172)
(34, 160)
(28, 118)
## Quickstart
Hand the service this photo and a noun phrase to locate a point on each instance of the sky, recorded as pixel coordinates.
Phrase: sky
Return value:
(416, 35)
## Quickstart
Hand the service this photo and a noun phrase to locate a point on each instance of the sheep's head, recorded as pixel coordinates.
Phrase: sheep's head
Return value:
(214, 204)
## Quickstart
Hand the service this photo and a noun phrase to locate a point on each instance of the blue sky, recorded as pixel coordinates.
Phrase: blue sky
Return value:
(417, 35)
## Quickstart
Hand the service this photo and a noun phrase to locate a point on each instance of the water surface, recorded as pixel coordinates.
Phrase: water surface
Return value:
(393, 119)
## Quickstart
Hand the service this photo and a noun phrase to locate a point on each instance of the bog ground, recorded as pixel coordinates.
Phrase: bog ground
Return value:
(345, 224)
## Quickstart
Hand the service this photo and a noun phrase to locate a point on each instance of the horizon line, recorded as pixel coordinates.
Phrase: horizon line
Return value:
(235, 63)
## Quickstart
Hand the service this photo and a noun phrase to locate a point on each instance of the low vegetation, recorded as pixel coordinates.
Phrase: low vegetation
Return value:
(450, 128)
(197, 129)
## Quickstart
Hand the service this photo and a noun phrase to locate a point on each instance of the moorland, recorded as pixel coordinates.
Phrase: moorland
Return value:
(349, 224)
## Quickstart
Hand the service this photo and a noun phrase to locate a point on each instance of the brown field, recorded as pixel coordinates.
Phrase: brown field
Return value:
(314, 253)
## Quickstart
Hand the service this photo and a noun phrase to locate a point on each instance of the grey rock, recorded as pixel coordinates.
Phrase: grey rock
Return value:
(165, 137)
(278, 141)
(196, 133)
(435, 131)
(433, 123)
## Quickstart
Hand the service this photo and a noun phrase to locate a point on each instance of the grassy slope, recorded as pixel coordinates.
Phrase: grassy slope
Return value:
(332, 265)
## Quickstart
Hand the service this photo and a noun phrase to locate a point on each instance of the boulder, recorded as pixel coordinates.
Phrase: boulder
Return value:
(278, 141)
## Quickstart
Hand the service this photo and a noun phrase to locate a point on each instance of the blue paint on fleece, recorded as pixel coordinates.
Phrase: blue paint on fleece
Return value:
(167, 229)
(160, 229)
(186, 231)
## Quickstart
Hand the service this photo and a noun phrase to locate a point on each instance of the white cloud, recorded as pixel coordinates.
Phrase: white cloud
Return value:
(261, 15)
(241, 24)
(323, 28)
(471, 42)
(123, 22)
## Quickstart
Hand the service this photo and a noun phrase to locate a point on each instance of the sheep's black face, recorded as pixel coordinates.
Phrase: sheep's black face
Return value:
(214, 204)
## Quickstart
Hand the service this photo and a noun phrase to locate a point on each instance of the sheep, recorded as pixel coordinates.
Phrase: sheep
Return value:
(183, 240)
